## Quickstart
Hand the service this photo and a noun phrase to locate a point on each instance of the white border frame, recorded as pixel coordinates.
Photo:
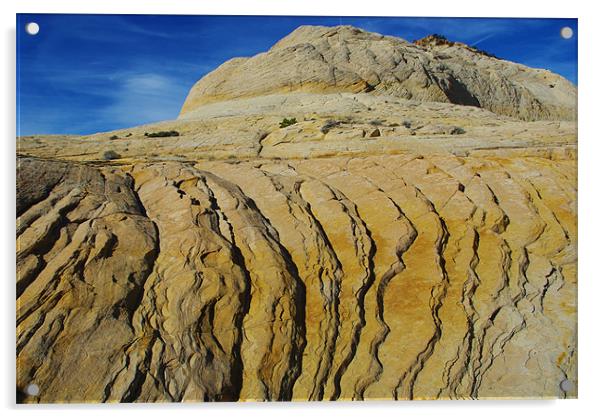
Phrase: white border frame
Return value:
(590, 203)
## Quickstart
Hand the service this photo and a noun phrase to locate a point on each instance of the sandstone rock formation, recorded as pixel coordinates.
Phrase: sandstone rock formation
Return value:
(344, 58)
(379, 248)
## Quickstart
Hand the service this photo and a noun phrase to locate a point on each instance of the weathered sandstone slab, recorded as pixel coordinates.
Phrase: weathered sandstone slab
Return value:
(403, 276)
(389, 244)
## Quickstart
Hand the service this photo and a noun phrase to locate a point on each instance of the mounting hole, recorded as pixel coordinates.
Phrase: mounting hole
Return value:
(32, 28)
(32, 389)
(566, 385)
(566, 32)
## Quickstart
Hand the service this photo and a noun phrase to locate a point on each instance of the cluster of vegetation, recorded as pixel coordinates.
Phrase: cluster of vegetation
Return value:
(161, 134)
(110, 155)
(114, 137)
(287, 122)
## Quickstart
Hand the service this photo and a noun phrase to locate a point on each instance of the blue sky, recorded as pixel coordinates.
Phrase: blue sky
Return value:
(89, 73)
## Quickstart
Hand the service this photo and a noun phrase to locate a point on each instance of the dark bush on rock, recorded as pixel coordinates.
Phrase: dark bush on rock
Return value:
(161, 134)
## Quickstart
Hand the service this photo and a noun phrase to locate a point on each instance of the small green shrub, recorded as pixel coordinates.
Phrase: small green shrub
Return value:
(110, 155)
(457, 131)
(161, 134)
(114, 137)
(128, 135)
(288, 122)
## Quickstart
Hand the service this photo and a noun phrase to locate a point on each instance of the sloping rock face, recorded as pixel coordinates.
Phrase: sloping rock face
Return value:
(343, 58)
(385, 277)
(378, 248)
(327, 125)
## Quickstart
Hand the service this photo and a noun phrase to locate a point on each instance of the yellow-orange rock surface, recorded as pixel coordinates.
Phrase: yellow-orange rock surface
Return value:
(379, 248)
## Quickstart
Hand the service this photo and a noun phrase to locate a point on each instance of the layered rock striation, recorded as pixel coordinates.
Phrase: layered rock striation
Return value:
(379, 248)
(382, 277)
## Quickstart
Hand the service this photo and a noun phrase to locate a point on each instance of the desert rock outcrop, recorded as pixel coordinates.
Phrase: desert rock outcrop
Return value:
(325, 59)
(388, 244)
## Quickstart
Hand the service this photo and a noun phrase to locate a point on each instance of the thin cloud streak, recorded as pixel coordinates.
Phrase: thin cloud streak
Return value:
(475, 43)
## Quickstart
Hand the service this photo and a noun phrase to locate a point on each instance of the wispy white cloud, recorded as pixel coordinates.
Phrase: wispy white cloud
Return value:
(142, 98)
(122, 99)
(483, 39)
